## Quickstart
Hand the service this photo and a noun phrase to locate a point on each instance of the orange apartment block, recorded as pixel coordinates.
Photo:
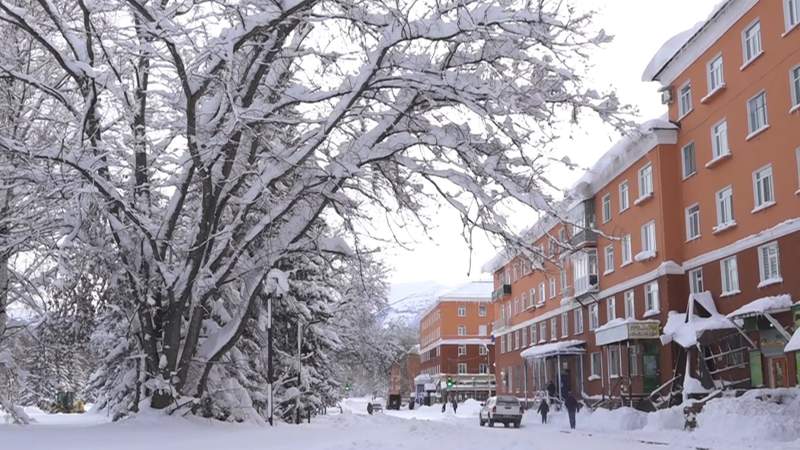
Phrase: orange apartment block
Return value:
(455, 343)
(667, 270)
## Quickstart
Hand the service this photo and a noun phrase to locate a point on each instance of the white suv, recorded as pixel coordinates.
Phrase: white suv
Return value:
(503, 408)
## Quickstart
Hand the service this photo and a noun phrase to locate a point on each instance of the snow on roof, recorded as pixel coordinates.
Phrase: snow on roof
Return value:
(794, 343)
(629, 149)
(471, 290)
(676, 43)
(619, 322)
(685, 328)
(554, 348)
(763, 305)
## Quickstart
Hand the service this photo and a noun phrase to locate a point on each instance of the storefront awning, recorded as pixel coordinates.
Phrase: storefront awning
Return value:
(571, 347)
(764, 305)
(619, 330)
(701, 316)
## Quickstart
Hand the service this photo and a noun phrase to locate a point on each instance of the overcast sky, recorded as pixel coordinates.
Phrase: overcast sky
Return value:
(640, 27)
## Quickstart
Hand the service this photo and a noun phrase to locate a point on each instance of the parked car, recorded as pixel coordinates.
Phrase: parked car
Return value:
(504, 409)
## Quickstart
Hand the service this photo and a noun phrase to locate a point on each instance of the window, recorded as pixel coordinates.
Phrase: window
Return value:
(533, 334)
(483, 350)
(606, 208)
(462, 311)
(524, 339)
(516, 339)
(531, 297)
(482, 310)
(646, 181)
(595, 364)
(462, 330)
(594, 316)
(623, 196)
(462, 350)
(542, 293)
(611, 309)
(542, 331)
(762, 187)
(769, 264)
(685, 99)
(613, 361)
(625, 243)
(579, 320)
(634, 355)
(649, 237)
(462, 368)
(483, 368)
(792, 12)
(795, 77)
(630, 305)
(563, 273)
(725, 208)
(553, 329)
(693, 222)
(751, 41)
(696, 280)
(482, 330)
(502, 344)
(757, 113)
(552, 286)
(719, 140)
(584, 270)
(689, 163)
(716, 80)
(651, 298)
(730, 276)
(609, 258)
(564, 324)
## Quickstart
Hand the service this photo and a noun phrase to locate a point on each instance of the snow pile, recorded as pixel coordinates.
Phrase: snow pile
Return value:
(471, 290)
(685, 328)
(763, 305)
(469, 408)
(666, 419)
(668, 51)
(554, 348)
(757, 416)
(794, 343)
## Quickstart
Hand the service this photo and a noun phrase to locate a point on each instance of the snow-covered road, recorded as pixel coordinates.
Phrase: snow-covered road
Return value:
(425, 428)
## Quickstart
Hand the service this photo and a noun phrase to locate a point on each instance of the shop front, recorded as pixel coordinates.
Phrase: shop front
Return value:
(631, 350)
(557, 367)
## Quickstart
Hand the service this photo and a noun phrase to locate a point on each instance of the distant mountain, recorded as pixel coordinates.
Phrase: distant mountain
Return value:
(409, 300)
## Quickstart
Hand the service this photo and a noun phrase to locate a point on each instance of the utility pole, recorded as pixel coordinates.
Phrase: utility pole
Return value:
(270, 407)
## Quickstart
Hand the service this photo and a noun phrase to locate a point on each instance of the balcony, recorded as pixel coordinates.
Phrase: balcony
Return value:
(500, 325)
(582, 219)
(583, 238)
(586, 285)
(501, 292)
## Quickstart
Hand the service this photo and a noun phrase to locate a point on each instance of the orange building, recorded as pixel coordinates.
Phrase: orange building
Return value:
(666, 271)
(455, 344)
(402, 374)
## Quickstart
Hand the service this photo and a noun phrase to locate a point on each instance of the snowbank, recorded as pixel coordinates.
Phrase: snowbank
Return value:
(751, 419)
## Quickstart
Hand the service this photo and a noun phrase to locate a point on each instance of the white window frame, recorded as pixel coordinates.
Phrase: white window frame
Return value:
(692, 215)
(483, 350)
(482, 310)
(462, 330)
(608, 259)
(594, 316)
(724, 200)
(629, 297)
(551, 287)
(769, 264)
(462, 350)
(515, 335)
(534, 336)
(686, 107)
(578, 319)
(646, 181)
(626, 250)
(763, 188)
(649, 237)
(542, 293)
(794, 80)
(595, 365)
(564, 324)
(685, 167)
(483, 368)
(791, 14)
(543, 331)
(747, 55)
(462, 368)
(751, 125)
(729, 268)
(614, 363)
(611, 308)
(462, 310)
(606, 209)
(715, 74)
(652, 304)
(624, 196)
(720, 146)
(553, 329)
(696, 283)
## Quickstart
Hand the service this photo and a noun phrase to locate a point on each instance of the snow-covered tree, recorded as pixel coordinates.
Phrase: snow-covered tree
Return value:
(204, 141)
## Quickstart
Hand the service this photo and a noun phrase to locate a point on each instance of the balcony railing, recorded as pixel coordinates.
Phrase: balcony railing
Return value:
(585, 285)
(500, 325)
(583, 238)
(501, 292)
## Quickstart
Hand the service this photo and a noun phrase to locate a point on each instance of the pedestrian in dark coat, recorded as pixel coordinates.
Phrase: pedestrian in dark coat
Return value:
(544, 408)
(455, 406)
(551, 390)
(572, 407)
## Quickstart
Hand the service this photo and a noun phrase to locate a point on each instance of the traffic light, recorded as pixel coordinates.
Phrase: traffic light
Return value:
(347, 387)
(450, 383)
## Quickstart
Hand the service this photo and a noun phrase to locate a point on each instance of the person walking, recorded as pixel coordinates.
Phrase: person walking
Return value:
(551, 391)
(455, 406)
(572, 407)
(544, 408)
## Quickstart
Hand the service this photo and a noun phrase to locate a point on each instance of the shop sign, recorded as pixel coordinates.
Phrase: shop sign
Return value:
(626, 331)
